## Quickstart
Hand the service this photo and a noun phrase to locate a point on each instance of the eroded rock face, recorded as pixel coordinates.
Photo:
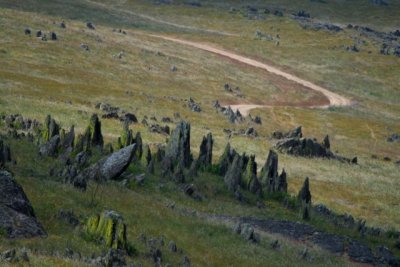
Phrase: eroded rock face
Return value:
(305, 199)
(117, 162)
(50, 148)
(206, 147)
(270, 179)
(226, 159)
(233, 176)
(304, 147)
(178, 147)
(17, 217)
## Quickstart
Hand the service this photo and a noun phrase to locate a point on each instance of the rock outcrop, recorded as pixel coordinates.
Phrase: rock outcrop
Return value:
(178, 147)
(50, 129)
(17, 217)
(206, 147)
(50, 148)
(109, 227)
(233, 176)
(226, 159)
(270, 179)
(304, 198)
(94, 132)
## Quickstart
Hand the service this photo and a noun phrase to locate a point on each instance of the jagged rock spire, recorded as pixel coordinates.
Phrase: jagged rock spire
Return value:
(178, 147)
(205, 155)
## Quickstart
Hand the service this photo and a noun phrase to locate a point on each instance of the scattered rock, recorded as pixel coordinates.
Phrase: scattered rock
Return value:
(270, 179)
(53, 36)
(233, 176)
(205, 154)
(27, 31)
(90, 25)
(193, 105)
(68, 217)
(17, 217)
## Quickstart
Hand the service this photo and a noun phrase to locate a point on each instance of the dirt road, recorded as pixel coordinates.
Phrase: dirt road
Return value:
(334, 99)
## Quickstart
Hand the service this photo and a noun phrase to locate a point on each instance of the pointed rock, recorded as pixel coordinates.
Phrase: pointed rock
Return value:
(281, 185)
(179, 176)
(233, 176)
(126, 135)
(178, 147)
(139, 146)
(205, 155)
(326, 143)
(147, 155)
(270, 172)
(226, 159)
(96, 138)
(304, 197)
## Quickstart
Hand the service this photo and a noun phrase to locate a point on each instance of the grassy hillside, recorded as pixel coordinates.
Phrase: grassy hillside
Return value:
(63, 79)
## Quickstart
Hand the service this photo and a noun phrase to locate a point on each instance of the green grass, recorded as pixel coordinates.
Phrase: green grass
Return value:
(59, 78)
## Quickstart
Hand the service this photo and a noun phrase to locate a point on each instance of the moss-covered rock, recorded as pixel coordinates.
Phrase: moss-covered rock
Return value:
(50, 129)
(110, 228)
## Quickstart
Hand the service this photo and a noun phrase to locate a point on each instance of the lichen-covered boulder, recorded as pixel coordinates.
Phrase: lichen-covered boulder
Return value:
(50, 129)
(17, 217)
(126, 136)
(109, 226)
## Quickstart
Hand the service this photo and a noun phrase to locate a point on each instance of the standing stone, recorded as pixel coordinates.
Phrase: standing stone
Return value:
(270, 172)
(250, 172)
(51, 128)
(178, 147)
(194, 168)
(147, 155)
(281, 185)
(205, 155)
(139, 146)
(126, 136)
(160, 154)
(94, 129)
(326, 143)
(305, 199)
(226, 159)
(233, 176)
(150, 167)
(69, 138)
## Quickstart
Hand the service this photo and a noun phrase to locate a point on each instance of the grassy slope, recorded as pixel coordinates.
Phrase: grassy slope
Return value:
(38, 78)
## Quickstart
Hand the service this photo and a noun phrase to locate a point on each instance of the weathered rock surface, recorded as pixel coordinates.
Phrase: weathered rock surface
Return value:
(233, 176)
(117, 162)
(226, 159)
(270, 179)
(50, 148)
(109, 226)
(304, 197)
(17, 217)
(178, 147)
(206, 147)
(5, 153)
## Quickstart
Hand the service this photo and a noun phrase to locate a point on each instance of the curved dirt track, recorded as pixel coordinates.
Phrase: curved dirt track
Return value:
(334, 99)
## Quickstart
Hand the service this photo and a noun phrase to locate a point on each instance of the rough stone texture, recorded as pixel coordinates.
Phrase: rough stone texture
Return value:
(139, 146)
(179, 176)
(305, 199)
(226, 159)
(330, 242)
(233, 176)
(117, 162)
(94, 130)
(178, 147)
(385, 256)
(68, 139)
(146, 155)
(51, 129)
(17, 217)
(250, 180)
(206, 147)
(304, 147)
(360, 252)
(270, 171)
(110, 227)
(296, 133)
(126, 137)
(50, 148)
(5, 153)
